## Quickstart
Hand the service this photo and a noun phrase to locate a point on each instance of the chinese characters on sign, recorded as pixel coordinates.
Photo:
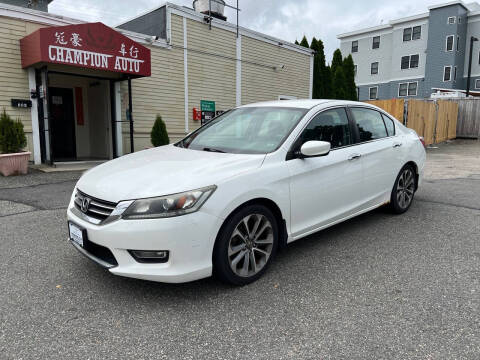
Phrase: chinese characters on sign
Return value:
(127, 62)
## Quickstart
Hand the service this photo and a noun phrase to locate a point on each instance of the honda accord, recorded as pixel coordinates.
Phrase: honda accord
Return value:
(224, 199)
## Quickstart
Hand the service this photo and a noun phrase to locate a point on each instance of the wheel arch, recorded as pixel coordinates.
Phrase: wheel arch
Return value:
(273, 207)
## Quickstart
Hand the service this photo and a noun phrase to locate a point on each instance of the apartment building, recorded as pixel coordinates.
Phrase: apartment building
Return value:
(413, 57)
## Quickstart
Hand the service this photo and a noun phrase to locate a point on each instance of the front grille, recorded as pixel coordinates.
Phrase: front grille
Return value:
(96, 208)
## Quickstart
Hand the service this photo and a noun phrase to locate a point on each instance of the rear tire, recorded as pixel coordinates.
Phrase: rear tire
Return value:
(246, 245)
(403, 190)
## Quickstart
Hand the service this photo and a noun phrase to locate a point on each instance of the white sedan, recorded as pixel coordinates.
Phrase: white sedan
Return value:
(223, 200)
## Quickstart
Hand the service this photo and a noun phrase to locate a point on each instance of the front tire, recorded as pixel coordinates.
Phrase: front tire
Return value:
(403, 190)
(246, 245)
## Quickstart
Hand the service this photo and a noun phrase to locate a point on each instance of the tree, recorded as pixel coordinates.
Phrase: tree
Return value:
(159, 135)
(350, 87)
(296, 42)
(328, 85)
(321, 86)
(337, 61)
(12, 135)
(339, 84)
(304, 42)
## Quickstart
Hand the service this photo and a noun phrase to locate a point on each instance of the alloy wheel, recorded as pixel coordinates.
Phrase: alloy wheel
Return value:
(250, 245)
(405, 188)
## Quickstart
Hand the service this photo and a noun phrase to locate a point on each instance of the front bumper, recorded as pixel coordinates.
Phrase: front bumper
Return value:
(189, 240)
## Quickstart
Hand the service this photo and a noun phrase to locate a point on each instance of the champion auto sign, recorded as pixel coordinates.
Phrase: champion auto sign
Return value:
(93, 46)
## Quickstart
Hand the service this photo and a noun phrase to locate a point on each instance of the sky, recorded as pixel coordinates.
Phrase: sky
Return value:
(285, 19)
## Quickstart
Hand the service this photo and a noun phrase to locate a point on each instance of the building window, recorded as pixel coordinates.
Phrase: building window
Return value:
(376, 42)
(414, 61)
(354, 46)
(459, 20)
(455, 73)
(477, 84)
(414, 33)
(407, 89)
(451, 20)
(417, 33)
(447, 73)
(409, 62)
(458, 43)
(374, 68)
(355, 67)
(449, 42)
(373, 93)
(412, 89)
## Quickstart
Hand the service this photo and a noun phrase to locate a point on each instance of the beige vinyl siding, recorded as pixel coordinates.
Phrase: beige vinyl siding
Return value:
(14, 80)
(162, 93)
(210, 77)
(265, 84)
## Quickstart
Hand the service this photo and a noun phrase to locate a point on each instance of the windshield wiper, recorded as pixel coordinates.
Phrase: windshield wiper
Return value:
(213, 150)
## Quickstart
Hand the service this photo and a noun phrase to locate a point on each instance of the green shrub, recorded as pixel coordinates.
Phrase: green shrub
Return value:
(12, 136)
(159, 135)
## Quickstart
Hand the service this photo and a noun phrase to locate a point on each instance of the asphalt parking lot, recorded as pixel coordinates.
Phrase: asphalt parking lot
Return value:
(376, 287)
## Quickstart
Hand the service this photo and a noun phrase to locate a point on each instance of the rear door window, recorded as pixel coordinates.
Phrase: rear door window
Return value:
(370, 124)
(390, 125)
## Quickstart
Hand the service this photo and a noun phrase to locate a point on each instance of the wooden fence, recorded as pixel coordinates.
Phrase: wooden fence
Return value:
(394, 107)
(435, 120)
(468, 125)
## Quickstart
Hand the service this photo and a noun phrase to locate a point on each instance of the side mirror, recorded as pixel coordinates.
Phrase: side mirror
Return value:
(315, 148)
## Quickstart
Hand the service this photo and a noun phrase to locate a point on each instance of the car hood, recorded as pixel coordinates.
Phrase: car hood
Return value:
(162, 171)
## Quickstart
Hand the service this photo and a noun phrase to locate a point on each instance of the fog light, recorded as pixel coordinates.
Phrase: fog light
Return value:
(152, 257)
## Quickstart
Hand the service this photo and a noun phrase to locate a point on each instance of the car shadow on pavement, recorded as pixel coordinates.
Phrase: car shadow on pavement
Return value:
(302, 259)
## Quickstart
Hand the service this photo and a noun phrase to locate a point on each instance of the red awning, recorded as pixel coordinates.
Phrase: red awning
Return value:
(93, 46)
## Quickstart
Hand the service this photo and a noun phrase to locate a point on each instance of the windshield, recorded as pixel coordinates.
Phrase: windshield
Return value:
(250, 130)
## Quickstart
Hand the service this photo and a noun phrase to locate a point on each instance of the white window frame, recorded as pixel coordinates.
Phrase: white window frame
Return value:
(444, 68)
(446, 43)
(401, 57)
(416, 88)
(369, 93)
(413, 27)
(411, 34)
(287, 97)
(410, 62)
(477, 83)
(378, 68)
(351, 49)
(459, 19)
(399, 89)
(379, 42)
(355, 69)
(458, 43)
(408, 86)
(454, 18)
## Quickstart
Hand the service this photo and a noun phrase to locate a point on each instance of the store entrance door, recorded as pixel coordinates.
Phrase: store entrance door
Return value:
(62, 120)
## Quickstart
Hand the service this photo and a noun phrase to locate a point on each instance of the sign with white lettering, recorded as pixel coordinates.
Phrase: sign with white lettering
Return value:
(93, 46)
(19, 103)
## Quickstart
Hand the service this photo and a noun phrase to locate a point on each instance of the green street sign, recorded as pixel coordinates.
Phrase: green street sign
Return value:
(207, 105)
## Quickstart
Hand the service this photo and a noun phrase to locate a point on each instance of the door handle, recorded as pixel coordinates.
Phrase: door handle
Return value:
(397, 145)
(354, 157)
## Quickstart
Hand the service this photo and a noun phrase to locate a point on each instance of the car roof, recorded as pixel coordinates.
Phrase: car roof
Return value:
(304, 103)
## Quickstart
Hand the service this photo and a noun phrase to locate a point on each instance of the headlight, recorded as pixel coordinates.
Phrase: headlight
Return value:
(168, 206)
